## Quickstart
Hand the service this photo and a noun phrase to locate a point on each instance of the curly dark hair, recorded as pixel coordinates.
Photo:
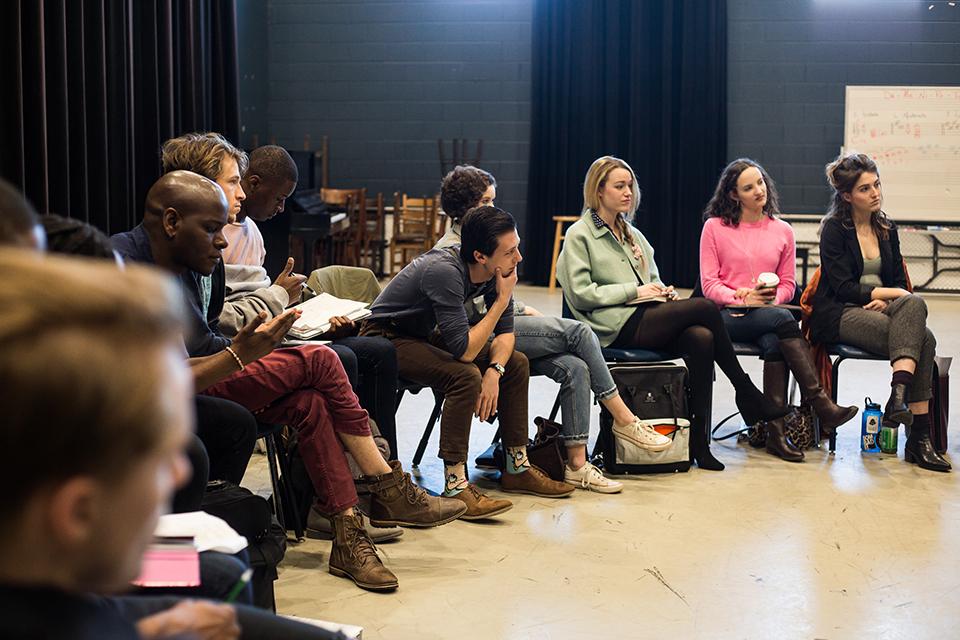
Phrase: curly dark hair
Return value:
(722, 206)
(72, 236)
(843, 174)
(462, 189)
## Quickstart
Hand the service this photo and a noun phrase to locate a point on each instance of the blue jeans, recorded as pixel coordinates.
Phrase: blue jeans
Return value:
(568, 352)
(758, 326)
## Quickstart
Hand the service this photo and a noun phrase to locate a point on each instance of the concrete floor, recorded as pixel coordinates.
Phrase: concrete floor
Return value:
(842, 546)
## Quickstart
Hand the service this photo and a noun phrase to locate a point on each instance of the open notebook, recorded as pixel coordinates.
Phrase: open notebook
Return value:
(318, 311)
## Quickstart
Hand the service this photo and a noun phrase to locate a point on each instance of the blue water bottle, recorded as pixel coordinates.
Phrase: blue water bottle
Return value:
(870, 426)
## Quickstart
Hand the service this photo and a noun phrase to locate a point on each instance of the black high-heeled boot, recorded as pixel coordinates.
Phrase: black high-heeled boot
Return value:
(796, 351)
(753, 405)
(700, 445)
(897, 409)
(919, 449)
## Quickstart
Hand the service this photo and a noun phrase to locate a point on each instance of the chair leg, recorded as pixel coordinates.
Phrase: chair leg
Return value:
(284, 463)
(834, 379)
(557, 237)
(275, 480)
(556, 408)
(428, 431)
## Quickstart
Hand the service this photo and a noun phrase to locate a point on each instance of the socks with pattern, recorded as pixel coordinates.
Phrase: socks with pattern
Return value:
(454, 478)
(901, 377)
(517, 461)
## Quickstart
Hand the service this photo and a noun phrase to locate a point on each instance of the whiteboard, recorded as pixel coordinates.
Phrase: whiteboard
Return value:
(913, 133)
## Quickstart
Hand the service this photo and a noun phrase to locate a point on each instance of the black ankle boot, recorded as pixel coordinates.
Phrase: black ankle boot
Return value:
(700, 446)
(753, 405)
(897, 409)
(919, 449)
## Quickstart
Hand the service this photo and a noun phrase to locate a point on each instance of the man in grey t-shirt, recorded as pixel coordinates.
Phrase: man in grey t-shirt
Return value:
(422, 312)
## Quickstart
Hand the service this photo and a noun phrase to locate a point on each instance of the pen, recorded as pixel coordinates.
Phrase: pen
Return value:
(240, 586)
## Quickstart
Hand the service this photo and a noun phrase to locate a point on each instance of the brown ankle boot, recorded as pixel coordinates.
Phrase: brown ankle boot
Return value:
(397, 501)
(799, 358)
(354, 556)
(775, 388)
(535, 482)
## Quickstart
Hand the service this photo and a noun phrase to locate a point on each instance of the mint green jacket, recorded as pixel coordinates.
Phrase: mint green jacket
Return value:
(598, 278)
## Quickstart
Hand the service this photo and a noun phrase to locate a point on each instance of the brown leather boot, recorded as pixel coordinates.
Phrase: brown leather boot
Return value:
(799, 357)
(535, 482)
(397, 501)
(481, 506)
(354, 556)
(775, 388)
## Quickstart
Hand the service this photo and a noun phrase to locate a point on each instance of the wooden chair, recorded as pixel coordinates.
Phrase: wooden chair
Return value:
(349, 245)
(414, 226)
(557, 241)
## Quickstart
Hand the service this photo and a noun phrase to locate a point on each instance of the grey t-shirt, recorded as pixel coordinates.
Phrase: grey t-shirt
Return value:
(431, 292)
(871, 272)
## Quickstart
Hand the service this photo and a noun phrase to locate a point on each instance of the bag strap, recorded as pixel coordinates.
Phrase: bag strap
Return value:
(716, 438)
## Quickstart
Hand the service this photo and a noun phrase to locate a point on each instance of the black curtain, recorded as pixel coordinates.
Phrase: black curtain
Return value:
(641, 80)
(91, 88)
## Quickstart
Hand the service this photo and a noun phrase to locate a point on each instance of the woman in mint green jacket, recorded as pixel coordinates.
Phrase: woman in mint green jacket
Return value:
(607, 265)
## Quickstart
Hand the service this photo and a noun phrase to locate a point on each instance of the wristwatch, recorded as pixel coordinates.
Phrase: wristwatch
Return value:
(496, 366)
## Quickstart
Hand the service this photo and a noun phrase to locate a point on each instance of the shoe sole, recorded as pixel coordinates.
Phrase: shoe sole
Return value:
(654, 448)
(340, 573)
(317, 534)
(490, 514)
(541, 495)
(417, 525)
(604, 490)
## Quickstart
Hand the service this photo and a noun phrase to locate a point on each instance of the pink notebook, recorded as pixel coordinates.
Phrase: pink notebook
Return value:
(170, 565)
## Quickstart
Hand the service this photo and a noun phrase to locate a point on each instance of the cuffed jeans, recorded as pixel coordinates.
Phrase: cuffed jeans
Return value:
(757, 326)
(568, 352)
(899, 331)
(428, 363)
(306, 388)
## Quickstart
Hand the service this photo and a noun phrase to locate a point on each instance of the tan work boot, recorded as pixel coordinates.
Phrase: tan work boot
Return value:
(535, 482)
(354, 556)
(397, 501)
(481, 506)
(320, 527)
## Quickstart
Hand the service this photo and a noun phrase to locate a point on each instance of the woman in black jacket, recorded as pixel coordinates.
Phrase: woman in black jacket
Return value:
(862, 299)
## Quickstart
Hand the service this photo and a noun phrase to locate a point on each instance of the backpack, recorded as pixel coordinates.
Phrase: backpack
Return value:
(251, 516)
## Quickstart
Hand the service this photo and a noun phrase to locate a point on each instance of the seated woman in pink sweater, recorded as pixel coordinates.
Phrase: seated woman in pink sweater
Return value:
(742, 238)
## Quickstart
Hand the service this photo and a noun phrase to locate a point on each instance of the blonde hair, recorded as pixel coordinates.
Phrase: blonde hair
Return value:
(596, 179)
(201, 153)
(79, 368)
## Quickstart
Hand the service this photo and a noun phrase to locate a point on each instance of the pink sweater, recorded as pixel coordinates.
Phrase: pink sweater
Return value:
(733, 257)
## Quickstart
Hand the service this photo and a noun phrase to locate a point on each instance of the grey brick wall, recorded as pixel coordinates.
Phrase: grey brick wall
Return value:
(384, 79)
(789, 61)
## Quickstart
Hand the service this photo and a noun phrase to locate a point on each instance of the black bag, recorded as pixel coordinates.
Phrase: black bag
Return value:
(799, 426)
(251, 517)
(545, 451)
(655, 393)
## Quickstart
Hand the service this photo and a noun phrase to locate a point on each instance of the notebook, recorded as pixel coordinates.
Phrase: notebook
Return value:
(317, 312)
(170, 562)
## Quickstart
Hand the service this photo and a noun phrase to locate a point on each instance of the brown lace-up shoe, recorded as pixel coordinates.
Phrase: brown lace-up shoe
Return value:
(397, 501)
(481, 506)
(354, 556)
(535, 482)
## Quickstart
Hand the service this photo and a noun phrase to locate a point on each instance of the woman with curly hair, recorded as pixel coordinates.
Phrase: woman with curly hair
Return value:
(742, 240)
(862, 299)
(606, 264)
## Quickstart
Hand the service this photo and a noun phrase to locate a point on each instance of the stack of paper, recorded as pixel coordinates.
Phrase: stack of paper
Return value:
(318, 311)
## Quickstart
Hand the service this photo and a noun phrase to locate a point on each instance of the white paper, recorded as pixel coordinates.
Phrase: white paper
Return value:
(209, 532)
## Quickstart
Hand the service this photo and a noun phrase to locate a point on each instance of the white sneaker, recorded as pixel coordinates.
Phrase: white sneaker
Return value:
(589, 477)
(643, 435)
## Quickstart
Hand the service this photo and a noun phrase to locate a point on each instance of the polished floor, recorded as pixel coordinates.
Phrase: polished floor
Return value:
(841, 546)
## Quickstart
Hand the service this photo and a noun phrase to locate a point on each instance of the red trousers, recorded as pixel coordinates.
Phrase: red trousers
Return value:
(305, 387)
